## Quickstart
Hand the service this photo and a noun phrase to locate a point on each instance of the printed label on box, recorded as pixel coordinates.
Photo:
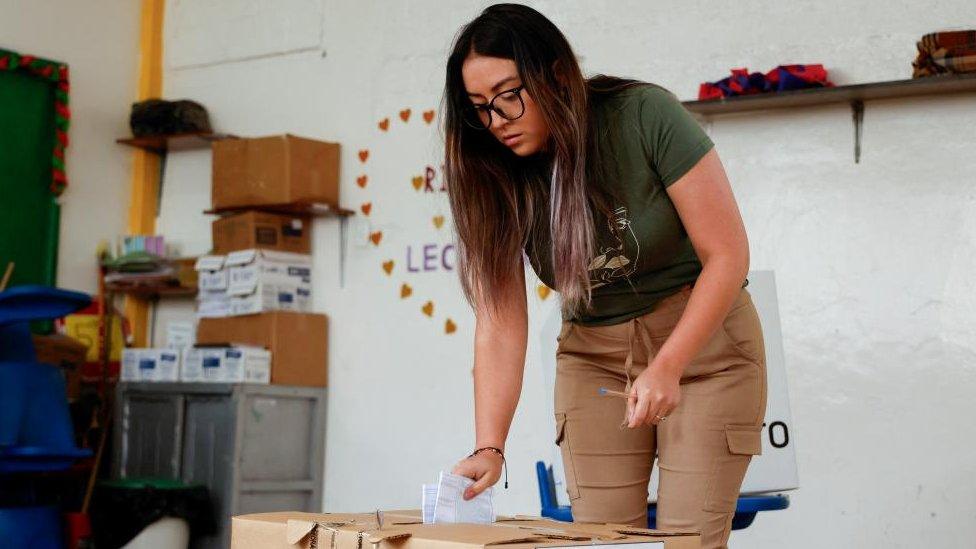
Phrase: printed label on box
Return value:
(216, 280)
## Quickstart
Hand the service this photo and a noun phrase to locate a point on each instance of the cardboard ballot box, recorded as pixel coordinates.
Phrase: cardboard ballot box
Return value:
(298, 342)
(261, 230)
(279, 169)
(404, 530)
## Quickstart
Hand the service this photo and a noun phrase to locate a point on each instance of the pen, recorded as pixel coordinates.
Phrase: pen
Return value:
(605, 392)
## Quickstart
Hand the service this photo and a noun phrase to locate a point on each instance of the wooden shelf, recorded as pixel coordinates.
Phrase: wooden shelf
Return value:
(892, 89)
(152, 292)
(175, 142)
(313, 209)
(156, 287)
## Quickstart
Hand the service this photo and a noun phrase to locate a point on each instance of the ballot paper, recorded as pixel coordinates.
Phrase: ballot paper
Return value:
(429, 501)
(444, 502)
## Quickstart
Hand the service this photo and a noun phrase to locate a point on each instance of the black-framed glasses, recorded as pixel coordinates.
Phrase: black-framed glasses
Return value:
(508, 104)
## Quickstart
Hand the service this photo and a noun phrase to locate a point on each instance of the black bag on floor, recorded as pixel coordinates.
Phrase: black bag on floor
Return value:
(121, 509)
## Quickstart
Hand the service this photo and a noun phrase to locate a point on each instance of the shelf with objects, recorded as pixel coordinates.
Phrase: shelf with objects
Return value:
(143, 275)
(310, 209)
(158, 127)
(854, 94)
(251, 360)
(152, 293)
(141, 270)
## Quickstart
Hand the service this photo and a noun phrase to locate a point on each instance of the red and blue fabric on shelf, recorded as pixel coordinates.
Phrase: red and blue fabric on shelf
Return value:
(782, 78)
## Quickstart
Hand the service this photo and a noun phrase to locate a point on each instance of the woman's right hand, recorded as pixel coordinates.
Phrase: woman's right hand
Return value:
(485, 468)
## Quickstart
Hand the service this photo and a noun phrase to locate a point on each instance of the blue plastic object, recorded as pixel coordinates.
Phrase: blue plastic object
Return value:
(745, 510)
(31, 527)
(31, 302)
(35, 425)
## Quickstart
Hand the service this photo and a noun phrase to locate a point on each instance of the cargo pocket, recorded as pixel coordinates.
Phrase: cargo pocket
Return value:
(744, 441)
(743, 331)
(567, 451)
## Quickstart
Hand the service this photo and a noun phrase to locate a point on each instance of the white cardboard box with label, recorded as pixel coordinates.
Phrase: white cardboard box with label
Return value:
(211, 275)
(144, 364)
(236, 364)
(266, 280)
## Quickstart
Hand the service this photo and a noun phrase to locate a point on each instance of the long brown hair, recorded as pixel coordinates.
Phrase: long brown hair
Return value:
(498, 199)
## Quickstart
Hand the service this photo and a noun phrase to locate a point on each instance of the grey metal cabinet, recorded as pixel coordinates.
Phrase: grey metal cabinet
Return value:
(258, 448)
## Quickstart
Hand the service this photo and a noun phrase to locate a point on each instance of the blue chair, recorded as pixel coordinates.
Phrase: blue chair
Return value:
(745, 511)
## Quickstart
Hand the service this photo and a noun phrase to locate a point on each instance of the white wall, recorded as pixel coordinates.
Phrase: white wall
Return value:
(100, 43)
(873, 261)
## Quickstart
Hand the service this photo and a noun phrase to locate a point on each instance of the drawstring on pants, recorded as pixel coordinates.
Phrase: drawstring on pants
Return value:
(635, 334)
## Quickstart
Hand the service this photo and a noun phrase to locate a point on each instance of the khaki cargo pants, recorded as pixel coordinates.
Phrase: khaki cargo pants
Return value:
(704, 446)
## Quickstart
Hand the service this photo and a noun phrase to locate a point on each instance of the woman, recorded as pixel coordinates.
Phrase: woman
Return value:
(620, 203)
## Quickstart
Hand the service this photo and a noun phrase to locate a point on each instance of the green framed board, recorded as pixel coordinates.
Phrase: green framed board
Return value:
(31, 126)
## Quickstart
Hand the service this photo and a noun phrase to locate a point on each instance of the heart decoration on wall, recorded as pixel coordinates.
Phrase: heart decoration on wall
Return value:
(372, 206)
(543, 291)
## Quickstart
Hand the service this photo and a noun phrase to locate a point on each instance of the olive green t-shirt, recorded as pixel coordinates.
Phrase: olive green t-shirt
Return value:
(646, 142)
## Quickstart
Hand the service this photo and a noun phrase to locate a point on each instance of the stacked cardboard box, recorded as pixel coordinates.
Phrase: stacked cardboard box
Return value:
(262, 230)
(253, 281)
(224, 364)
(405, 530)
(256, 288)
(274, 171)
(296, 340)
(282, 172)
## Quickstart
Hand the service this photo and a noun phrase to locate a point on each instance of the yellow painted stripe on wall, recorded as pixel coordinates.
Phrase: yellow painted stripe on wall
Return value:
(145, 166)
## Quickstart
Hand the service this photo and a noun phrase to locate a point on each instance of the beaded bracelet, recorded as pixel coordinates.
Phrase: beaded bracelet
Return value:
(497, 451)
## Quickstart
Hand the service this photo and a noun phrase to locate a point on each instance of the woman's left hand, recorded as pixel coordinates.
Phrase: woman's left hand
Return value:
(655, 394)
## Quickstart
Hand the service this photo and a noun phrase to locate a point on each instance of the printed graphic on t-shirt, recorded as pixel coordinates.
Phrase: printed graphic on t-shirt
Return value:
(618, 260)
